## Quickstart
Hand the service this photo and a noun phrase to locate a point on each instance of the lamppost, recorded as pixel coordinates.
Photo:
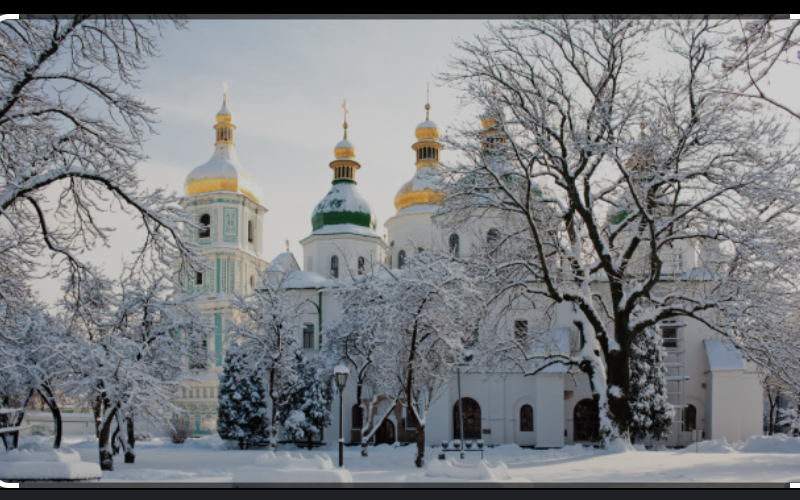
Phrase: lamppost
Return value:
(464, 363)
(341, 372)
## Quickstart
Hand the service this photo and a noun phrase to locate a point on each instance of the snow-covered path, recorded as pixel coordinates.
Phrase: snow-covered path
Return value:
(761, 460)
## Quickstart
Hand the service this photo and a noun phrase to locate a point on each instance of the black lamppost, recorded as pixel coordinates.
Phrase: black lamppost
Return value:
(341, 373)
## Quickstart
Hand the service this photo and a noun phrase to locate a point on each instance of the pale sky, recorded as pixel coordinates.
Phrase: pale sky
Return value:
(286, 81)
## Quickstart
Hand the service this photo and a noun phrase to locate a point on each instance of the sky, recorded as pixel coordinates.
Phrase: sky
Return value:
(286, 81)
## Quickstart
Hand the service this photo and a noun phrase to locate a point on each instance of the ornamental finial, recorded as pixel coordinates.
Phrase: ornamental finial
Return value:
(344, 106)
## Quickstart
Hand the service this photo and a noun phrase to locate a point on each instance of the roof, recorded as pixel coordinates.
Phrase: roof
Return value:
(723, 356)
(307, 279)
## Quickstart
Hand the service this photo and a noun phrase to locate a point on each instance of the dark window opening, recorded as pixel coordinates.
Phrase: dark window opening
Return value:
(526, 418)
(334, 267)
(205, 223)
(454, 245)
(361, 265)
(401, 259)
(308, 336)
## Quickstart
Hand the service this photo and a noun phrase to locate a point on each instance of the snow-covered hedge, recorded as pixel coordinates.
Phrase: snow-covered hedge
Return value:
(41, 462)
(292, 468)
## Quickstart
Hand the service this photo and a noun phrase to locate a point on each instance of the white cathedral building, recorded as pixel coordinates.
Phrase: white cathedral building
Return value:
(712, 387)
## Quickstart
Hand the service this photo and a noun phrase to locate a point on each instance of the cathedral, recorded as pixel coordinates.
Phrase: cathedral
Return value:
(712, 388)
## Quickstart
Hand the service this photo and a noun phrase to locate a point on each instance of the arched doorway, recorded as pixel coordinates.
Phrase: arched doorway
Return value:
(385, 433)
(586, 421)
(472, 419)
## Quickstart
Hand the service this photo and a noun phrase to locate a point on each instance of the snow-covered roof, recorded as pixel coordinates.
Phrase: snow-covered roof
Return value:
(723, 356)
(307, 279)
(284, 262)
(427, 124)
(344, 143)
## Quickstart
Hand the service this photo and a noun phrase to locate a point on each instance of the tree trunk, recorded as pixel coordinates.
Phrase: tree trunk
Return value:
(50, 401)
(115, 440)
(97, 410)
(21, 417)
(420, 460)
(130, 453)
(618, 379)
(106, 457)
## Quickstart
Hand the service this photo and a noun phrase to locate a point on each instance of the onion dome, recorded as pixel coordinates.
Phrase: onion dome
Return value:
(344, 210)
(223, 172)
(420, 192)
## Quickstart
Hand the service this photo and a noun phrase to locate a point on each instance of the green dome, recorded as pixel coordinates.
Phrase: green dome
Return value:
(343, 205)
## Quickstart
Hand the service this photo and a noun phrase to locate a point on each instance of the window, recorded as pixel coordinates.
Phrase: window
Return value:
(670, 336)
(308, 336)
(361, 265)
(334, 267)
(521, 329)
(420, 249)
(492, 237)
(689, 418)
(252, 281)
(454, 245)
(198, 278)
(250, 231)
(205, 223)
(526, 418)
(357, 416)
(401, 259)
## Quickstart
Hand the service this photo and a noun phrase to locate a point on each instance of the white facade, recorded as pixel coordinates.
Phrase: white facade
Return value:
(713, 392)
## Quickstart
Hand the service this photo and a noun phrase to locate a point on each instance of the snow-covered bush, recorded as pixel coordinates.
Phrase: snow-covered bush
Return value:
(179, 432)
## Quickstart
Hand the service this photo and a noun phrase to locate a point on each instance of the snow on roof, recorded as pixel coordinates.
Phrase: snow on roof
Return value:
(427, 124)
(284, 262)
(343, 197)
(307, 279)
(723, 356)
(344, 143)
(345, 229)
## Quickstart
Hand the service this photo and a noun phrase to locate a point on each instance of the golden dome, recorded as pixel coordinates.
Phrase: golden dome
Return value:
(223, 172)
(407, 196)
(344, 149)
(427, 130)
(488, 121)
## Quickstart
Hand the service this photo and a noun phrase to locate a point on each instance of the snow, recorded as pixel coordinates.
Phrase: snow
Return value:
(418, 209)
(345, 229)
(39, 461)
(307, 279)
(461, 472)
(762, 459)
(343, 197)
(294, 468)
(427, 124)
(341, 369)
(225, 164)
(722, 356)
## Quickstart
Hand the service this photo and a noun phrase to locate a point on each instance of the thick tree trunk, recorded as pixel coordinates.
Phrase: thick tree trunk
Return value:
(97, 410)
(420, 460)
(130, 453)
(106, 457)
(618, 389)
(50, 401)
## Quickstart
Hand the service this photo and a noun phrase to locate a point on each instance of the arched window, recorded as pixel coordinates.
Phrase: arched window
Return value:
(308, 336)
(454, 245)
(361, 265)
(205, 223)
(472, 419)
(198, 278)
(492, 237)
(250, 231)
(586, 421)
(401, 259)
(690, 418)
(252, 281)
(526, 418)
(334, 267)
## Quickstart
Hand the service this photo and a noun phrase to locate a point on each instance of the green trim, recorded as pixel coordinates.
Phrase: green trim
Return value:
(218, 291)
(344, 180)
(321, 219)
(218, 338)
(620, 217)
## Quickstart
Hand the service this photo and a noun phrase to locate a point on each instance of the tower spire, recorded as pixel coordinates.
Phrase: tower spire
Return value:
(428, 103)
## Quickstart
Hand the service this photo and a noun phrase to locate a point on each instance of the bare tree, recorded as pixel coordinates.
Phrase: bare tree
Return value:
(71, 135)
(607, 171)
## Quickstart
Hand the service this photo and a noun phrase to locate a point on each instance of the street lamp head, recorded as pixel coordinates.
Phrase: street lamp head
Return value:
(341, 372)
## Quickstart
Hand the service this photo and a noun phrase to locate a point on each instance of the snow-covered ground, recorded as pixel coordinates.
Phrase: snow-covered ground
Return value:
(759, 460)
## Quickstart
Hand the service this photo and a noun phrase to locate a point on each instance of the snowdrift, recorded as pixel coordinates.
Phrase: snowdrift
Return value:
(451, 470)
(39, 462)
(291, 468)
